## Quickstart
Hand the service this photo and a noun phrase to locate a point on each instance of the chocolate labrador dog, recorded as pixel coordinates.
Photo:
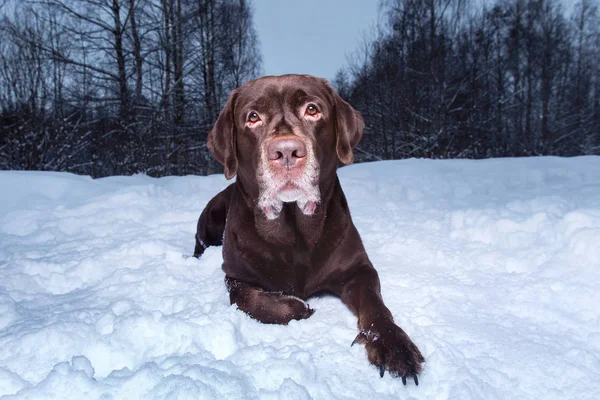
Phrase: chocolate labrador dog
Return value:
(284, 224)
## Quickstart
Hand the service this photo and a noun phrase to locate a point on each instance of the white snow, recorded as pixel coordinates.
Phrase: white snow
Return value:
(492, 267)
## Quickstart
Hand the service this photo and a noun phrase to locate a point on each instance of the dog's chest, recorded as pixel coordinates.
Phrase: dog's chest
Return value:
(290, 255)
(287, 268)
(293, 270)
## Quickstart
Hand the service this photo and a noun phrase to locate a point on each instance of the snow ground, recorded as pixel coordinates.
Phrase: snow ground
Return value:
(491, 266)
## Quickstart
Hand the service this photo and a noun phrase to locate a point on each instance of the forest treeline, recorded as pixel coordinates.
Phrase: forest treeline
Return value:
(447, 79)
(105, 87)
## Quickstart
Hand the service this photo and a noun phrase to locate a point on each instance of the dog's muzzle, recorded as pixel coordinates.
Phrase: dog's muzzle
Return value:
(288, 172)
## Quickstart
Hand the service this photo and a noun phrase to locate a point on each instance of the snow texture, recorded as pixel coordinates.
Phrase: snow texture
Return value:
(492, 267)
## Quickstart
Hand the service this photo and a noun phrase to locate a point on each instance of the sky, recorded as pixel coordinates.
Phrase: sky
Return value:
(311, 36)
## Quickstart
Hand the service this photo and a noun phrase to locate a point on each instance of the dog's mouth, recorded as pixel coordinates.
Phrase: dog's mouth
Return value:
(290, 192)
(298, 185)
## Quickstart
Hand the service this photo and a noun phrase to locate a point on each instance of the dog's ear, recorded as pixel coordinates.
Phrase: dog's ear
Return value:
(221, 139)
(349, 127)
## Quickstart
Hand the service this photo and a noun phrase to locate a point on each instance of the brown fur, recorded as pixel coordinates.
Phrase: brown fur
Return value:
(272, 265)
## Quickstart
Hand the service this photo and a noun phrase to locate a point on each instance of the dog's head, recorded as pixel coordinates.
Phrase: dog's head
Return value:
(283, 136)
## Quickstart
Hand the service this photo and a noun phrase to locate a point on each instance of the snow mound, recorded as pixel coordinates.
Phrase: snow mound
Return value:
(491, 266)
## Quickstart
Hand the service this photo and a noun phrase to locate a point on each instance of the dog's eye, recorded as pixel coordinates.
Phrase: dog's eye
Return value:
(311, 110)
(253, 117)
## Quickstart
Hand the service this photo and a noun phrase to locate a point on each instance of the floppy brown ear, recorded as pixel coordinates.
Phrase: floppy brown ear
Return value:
(349, 129)
(221, 138)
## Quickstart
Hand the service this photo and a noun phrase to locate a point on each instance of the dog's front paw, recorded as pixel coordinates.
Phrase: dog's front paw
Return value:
(295, 308)
(390, 348)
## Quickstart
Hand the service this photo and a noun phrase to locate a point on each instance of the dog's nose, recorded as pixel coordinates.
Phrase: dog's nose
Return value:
(286, 152)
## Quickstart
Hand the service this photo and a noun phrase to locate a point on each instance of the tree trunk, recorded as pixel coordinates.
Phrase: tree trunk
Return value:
(137, 53)
(124, 109)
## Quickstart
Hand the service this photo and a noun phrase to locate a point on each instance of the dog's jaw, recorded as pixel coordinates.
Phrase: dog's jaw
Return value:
(299, 185)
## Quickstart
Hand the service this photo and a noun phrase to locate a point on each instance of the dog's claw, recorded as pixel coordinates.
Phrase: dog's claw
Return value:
(381, 369)
(404, 380)
(357, 338)
(416, 380)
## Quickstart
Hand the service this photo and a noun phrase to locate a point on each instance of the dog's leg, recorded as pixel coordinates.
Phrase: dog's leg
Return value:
(211, 223)
(266, 307)
(388, 346)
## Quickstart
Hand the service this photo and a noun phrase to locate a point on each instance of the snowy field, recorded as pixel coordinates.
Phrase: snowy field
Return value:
(492, 267)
